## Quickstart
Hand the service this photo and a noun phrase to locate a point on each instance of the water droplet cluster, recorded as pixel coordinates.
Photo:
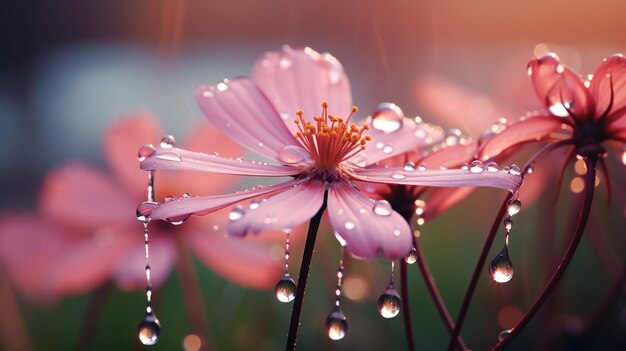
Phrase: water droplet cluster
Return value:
(336, 324)
(501, 267)
(286, 287)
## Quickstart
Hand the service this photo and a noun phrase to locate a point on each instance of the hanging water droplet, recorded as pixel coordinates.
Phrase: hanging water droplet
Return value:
(178, 220)
(336, 325)
(398, 175)
(170, 156)
(508, 223)
(168, 142)
(144, 210)
(285, 289)
(476, 167)
(504, 334)
(514, 170)
(389, 302)
(514, 207)
(382, 208)
(422, 167)
(149, 329)
(145, 152)
(409, 166)
(387, 117)
(501, 267)
(411, 257)
(236, 213)
(492, 167)
(293, 155)
(349, 225)
(285, 61)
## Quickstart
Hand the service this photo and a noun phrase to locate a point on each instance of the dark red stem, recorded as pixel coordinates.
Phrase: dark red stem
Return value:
(406, 308)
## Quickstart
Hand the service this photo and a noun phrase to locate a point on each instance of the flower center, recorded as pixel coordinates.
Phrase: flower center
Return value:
(330, 139)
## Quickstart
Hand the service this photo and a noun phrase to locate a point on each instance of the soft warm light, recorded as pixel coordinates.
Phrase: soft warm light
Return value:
(192, 342)
(577, 185)
(277, 252)
(508, 316)
(580, 167)
(502, 275)
(355, 288)
(540, 49)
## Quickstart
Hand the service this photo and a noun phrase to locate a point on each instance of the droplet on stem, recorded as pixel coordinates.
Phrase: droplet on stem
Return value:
(336, 325)
(389, 302)
(145, 152)
(144, 210)
(411, 257)
(501, 267)
(149, 329)
(504, 334)
(514, 207)
(285, 289)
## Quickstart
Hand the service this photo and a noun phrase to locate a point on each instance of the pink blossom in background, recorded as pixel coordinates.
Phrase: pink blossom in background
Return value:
(85, 231)
(324, 153)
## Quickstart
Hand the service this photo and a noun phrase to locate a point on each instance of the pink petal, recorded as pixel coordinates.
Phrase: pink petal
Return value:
(121, 143)
(284, 210)
(240, 110)
(207, 204)
(301, 80)
(557, 85)
(451, 156)
(531, 129)
(206, 138)
(130, 270)
(410, 136)
(366, 233)
(242, 261)
(441, 178)
(611, 71)
(442, 199)
(81, 196)
(177, 159)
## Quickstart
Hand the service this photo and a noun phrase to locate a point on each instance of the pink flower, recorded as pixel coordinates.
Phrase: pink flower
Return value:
(86, 232)
(325, 153)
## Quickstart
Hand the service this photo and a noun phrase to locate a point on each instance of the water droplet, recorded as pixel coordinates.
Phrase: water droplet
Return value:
(336, 324)
(223, 86)
(293, 155)
(465, 167)
(387, 117)
(530, 169)
(382, 208)
(236, 213)
(389, 302)
(476, 167)
(260, 144)
(285, 289)
(514, 207)
(285, 61)
(501, 267)
(514, 170)
(492, 167)
(208, 94)
(387, 149)
(178, 220)
(560, 68)
(560, 109)
(422, 167)
(504, 334)
(340, 238)
(333, 67)
(398, 175)
(409, 167)
(170, 156)
(149, 329)
(168, 142)
(349, 225)
(411, 257)
(254, 204)
(144, 210)
(145, 152)
(508, 223)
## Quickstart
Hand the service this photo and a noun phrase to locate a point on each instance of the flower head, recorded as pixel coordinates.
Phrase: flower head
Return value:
(324, 153)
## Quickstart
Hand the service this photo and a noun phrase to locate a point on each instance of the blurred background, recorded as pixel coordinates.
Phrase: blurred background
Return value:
(69, 69)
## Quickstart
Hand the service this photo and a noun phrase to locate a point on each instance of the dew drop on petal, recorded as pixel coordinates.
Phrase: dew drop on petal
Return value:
(236, 213)
(340, 239)
(501, 267)
(285, 61)
(398, 175)
(515, 170)
(254, 204)
(285, 289)
(389, 302)
(411, 257)
(409, 166)
(382, 208)
(387, 117)
(149, 329)
(144, 210)
(168, 142)
(145, 152)
(223, 86)
(465, 167)
(292, 155)
(349, 225)
(422, 167)
(492, 167)
(514, 207)
(504, 334)
(476, 167)
(336, 325)
(169, 156)
(333, 68)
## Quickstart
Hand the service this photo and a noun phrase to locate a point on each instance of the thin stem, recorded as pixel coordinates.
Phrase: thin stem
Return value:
(477, 272)
(13, 333)
(304, 275)
(571, 249)
(406, 309)
(435, 295)
(92, 316)
(194, 303)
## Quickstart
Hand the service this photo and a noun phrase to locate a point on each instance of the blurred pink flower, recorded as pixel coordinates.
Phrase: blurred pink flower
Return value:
(86, 232)
(328, 153)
